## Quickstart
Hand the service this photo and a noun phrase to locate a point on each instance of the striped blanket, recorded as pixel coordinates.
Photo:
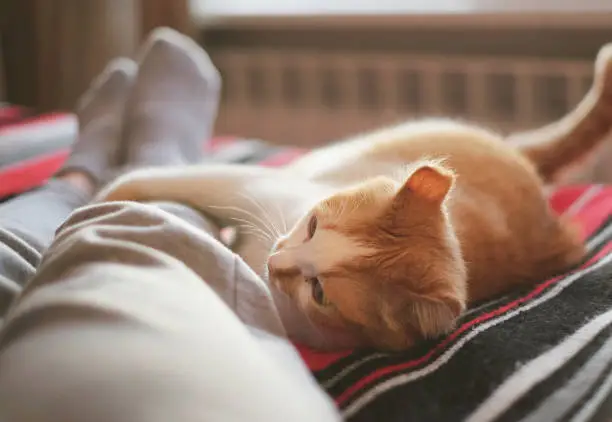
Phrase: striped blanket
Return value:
(540, 354)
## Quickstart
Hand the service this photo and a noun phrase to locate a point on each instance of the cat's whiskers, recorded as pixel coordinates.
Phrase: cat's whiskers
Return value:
(253, 229)
(281, 217)
(247, 227)
(264, 227)
(265, 213)
(256, 234)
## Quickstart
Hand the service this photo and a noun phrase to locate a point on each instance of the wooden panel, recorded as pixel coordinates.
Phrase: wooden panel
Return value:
(19, 51)
(53, 48)
(172, 13)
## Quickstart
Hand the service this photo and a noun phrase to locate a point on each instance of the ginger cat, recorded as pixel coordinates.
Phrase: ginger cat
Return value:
(394, 233)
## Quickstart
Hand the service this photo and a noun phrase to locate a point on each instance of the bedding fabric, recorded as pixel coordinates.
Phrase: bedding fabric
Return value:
(540, 354)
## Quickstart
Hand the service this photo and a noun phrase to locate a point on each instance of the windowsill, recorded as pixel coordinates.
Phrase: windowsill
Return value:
(489, 13)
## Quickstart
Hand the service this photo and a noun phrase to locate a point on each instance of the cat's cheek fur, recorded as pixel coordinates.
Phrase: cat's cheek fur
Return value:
(337, 332)
(333, 331)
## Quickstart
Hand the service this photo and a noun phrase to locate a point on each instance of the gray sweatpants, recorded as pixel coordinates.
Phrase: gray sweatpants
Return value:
(137, 314)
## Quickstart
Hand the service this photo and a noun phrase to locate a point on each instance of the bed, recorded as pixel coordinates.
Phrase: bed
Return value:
(539, 354)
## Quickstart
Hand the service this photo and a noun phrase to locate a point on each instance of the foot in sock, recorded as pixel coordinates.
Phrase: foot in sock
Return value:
(172, 107)
(95, 153)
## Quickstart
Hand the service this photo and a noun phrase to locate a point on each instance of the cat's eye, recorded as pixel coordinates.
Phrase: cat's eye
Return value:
(318, 295)
(312, 226)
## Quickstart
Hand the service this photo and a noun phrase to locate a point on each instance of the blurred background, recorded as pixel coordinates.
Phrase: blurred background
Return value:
(309, 71)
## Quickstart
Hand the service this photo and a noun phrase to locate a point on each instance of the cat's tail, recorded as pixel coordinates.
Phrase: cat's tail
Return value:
(563, 144)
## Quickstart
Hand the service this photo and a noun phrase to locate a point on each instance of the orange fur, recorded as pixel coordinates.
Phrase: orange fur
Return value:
(561, 145)
(467, 227)
(452, 234)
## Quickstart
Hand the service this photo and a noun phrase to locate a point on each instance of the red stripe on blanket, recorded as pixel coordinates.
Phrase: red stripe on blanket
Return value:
(29, 174)
(591, 205)
(320, 360)
(593, 214)
(219, 142)
(10, 114)
(561, 200)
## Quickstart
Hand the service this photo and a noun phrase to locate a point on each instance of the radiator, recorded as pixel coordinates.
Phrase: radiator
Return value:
(312, 97)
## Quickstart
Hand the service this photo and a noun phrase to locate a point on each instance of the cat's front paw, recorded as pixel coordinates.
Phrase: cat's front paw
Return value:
(123, 189)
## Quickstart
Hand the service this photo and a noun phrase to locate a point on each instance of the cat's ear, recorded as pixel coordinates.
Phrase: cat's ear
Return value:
(434, 316)
(429, 315)
(431, 182)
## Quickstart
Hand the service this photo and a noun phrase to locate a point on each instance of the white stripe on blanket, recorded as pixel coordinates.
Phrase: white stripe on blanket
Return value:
(592, 405)
(398, 380)
(566, 397)
(537, 370)
(599, 239)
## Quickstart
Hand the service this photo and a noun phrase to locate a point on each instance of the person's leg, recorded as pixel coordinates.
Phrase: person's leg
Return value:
(159, 112)
(173, 105)
(27, 225)
(28, 222)
(35, 216)
(120, 324)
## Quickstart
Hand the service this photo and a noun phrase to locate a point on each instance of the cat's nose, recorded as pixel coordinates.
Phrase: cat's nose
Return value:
(275, 262)
(272, 263)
